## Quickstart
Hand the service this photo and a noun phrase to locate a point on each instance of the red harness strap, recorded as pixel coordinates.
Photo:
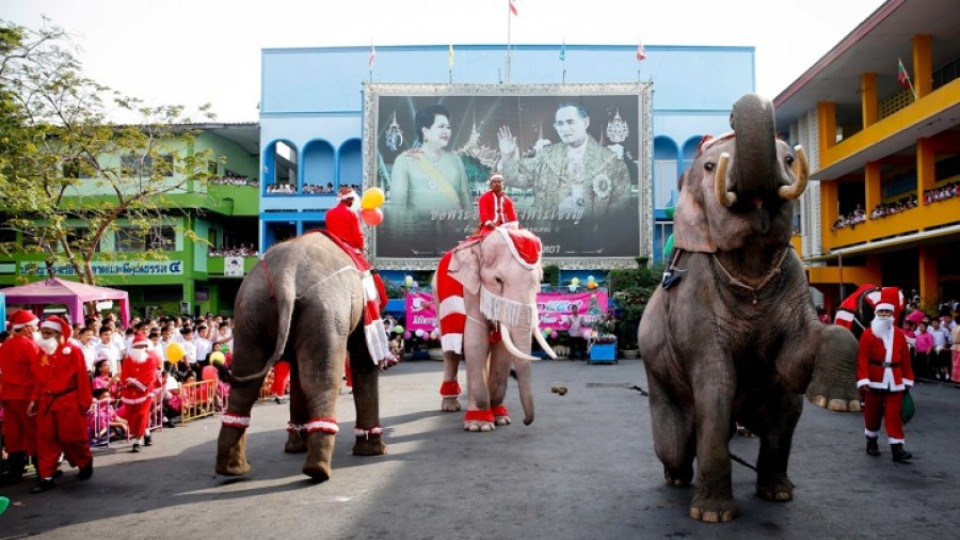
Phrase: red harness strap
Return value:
(266, 271)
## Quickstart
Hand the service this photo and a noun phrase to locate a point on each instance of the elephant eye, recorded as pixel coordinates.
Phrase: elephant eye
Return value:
(709, 165)
(790, 159)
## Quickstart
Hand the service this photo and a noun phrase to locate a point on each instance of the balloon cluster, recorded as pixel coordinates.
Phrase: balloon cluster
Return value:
(549, 333)
(420, 333)
(370, 206)
(575, 283)
(409, 282)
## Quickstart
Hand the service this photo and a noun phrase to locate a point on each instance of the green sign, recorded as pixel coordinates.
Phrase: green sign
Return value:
(116, 268)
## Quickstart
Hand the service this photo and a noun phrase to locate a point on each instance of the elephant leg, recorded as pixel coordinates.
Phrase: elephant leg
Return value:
(450, 389)
(781, 415)
(713, 501)
(673, 435)
(476, 342)
(833, 381)
(498, 375)
(366, 397)
(320, 373)
(299, 416)
(231, 444)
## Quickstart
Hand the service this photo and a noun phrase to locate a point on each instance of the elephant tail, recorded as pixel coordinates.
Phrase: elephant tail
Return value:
(285, 306)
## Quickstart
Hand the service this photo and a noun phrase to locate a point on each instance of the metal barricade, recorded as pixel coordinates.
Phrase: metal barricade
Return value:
(199, 400)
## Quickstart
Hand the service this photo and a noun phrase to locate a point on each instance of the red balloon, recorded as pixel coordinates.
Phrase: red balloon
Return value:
(372, 216)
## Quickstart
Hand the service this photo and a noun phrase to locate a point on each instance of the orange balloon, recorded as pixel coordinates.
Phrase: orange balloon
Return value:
(372, 216)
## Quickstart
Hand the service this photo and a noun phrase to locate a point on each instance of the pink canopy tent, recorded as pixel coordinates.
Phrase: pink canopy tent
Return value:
(70, 293)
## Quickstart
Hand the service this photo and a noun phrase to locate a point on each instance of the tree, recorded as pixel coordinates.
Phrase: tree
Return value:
(68, 175)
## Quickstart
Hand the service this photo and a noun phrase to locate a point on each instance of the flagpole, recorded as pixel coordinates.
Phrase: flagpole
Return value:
(563, 60)
(509, 16)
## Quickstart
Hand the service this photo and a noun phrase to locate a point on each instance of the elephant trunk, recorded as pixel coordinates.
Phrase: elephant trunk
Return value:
(755, 167)
(522, 366)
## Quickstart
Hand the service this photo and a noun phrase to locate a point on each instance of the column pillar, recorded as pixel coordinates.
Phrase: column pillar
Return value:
(926, 167)
(922, 65)
(929, 278)
(868, 99)
(871, 185)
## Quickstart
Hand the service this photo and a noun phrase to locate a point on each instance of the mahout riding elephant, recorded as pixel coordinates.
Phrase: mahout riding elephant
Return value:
(732, 334)
(486, 291)
(303, 303)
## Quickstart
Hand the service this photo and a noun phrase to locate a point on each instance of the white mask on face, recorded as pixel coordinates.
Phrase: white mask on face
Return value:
(138, 355)
(49, 345)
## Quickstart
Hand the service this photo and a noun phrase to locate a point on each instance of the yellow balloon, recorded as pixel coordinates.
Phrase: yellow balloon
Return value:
(175, 352)
(217, 358)
(372, 198)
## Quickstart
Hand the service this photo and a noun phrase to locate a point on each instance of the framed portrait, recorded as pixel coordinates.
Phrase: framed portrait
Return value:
(575, 160)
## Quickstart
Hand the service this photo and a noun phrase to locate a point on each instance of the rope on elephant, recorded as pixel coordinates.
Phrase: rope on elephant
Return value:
(317, 284)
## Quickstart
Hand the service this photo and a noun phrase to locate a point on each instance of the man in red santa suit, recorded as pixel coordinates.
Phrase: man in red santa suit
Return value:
(496, 208)
(17, 356)
(61, 398)
(343, 221)
(139, 376)
(884, 373)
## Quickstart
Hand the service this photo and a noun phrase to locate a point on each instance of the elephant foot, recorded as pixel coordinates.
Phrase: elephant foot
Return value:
(232, 453)
(477, 426)
(369, 446)
(502, 420)
(296, 442)
(319, 455)
(776, 487)
(713, 510)
(450, 404)
(835, 404)
(678, 477)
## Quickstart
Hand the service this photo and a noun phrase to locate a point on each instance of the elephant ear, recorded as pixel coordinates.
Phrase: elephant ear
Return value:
(465, 267)
(690, 229)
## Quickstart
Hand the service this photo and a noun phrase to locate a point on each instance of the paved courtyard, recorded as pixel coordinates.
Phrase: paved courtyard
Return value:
(584, 469)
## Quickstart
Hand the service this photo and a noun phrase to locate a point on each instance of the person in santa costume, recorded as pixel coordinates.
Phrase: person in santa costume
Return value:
(61, 398)
(343, 222)
(17, 356)
(139, 376)
(884, 373)
(496, 208)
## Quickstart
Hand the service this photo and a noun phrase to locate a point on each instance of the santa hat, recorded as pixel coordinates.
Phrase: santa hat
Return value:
(495, 176)
(56, 323)
(140, 339)
(23, 318)
(345, 193)
(891, 299)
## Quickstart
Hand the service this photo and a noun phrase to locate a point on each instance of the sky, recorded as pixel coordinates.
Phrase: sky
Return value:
(191, 52)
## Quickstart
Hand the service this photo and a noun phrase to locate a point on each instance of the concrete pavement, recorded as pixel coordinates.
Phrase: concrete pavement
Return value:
(584, 469)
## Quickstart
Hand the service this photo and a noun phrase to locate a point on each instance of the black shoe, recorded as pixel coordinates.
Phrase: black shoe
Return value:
(45, 484)
(147, 440)
(899, 454)
(872, 448)
(135, 449)
(57, 474)
(86, 472)
(278, 400)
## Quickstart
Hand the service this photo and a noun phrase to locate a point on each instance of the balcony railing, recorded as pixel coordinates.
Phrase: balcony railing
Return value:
(923, 217)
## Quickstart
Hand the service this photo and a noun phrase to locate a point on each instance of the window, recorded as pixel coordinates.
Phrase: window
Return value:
(665, 182)
(77, 168)
(131, 165)
(131, 239)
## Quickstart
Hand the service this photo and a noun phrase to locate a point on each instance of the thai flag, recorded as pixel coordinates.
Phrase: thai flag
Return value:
(513, 7)
(641, 52)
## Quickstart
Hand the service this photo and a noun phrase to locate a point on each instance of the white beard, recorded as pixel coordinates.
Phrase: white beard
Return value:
(139, 356)
(882, 327)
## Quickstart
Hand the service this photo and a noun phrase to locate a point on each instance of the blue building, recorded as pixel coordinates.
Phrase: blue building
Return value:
(312, 101)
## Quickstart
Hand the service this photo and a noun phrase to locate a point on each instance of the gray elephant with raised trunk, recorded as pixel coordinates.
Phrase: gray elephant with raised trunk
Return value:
(303, 303)
(486, 291)
(732, 334)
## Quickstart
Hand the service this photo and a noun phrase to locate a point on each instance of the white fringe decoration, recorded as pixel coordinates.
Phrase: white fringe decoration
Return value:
(498, 309)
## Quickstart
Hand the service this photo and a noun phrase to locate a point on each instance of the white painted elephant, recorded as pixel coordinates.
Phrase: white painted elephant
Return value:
(486, 290)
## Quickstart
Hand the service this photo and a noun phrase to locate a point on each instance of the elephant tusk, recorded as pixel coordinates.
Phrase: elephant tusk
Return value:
(543, 342)
(800, 171)
(508, 343)
(726, 198)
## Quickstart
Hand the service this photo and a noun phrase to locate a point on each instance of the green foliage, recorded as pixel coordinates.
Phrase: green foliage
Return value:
(632, 288)
(551, 274)
(68, 175)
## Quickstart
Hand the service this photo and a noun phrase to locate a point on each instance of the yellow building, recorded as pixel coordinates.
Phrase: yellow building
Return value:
(884, 148)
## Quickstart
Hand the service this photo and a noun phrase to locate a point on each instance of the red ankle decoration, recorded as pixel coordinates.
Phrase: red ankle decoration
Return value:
(485, 415)
(500, 410)
(450, 389)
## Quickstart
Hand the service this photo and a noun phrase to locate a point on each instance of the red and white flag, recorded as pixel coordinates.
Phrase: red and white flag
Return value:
(513, 7)
(373, 56)
(641, 52)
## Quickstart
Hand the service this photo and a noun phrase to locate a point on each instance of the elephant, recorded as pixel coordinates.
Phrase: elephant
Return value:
(486, 289)
(304, 302)
(856, 311)
(732, 335)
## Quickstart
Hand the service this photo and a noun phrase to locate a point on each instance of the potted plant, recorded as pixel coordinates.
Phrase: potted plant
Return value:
(631, 288)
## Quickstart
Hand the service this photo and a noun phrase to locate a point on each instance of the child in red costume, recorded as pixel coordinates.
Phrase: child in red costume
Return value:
(61, 398)
(17, 356)
(139, 376)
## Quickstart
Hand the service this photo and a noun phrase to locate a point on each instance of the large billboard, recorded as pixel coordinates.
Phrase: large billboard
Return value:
(575, 160)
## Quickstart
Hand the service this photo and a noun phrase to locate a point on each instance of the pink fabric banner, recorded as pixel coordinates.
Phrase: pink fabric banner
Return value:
(554, 309)
(421, 312)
